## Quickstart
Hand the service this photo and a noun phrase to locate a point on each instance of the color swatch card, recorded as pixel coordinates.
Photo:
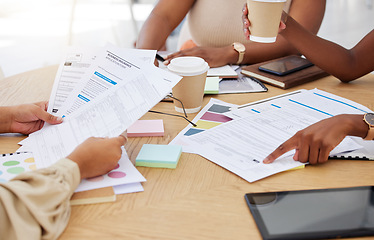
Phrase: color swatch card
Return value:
(160, 156)
(146, 128)
(210, 116)
(12, 164)
(124, 173)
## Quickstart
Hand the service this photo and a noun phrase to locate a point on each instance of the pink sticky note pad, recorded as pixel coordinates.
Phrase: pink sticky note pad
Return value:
(146, 128)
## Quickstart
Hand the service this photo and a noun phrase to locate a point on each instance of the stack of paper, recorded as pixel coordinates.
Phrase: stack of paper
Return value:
(100, 92)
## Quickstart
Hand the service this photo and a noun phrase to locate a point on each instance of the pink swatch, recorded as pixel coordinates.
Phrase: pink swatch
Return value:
(215, 117)
(116, 174)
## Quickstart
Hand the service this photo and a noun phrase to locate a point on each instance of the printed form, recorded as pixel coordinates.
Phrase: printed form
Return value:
(77, 64)
(320, 101)
(99, 77)
(241, 145)
(138, 88)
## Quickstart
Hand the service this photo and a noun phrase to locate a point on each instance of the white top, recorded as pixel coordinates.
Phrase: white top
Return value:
(216, 23)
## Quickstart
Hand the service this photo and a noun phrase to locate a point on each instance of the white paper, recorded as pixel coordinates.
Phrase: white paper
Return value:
(128, 188)
(241, 145)
(72, 71)
(109, 114)
(224, 71)
(116, 66)
(321, 102)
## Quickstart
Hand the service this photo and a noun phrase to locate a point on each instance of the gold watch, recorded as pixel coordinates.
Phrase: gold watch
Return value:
(240, 48)
(369, 120)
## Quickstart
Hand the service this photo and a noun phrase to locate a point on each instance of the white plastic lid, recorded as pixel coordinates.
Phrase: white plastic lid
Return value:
(188, 66)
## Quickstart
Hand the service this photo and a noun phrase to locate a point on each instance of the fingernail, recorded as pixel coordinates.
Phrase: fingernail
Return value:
(59, 119)
(266, 160)
(166, 62)
(124, 134)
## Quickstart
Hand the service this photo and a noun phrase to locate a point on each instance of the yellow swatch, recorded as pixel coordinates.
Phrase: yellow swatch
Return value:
(32, 167)
(206, 125)
(29, 160)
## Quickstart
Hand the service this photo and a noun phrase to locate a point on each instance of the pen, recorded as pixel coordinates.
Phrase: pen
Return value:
(264, 100)
(159, 57)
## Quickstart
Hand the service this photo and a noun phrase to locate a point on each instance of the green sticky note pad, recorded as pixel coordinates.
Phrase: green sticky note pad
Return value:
(159, 156)
(212, 85)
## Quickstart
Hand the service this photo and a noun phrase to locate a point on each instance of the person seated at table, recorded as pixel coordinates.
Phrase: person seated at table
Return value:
(314, 143)
(345, 64)
(35, 205)
(213, 26)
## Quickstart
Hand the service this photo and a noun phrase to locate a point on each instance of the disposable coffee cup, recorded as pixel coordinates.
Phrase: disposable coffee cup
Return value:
(264, 16)
(190, 89)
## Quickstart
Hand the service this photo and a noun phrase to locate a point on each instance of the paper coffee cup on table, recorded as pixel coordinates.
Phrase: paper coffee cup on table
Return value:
(264, 16)
(189, 90)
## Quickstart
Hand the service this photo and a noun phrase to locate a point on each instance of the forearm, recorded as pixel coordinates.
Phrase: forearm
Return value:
(260, 52)
(5, 119)
(164, 18)
(329, 56)
(154, 33)
(36, 205)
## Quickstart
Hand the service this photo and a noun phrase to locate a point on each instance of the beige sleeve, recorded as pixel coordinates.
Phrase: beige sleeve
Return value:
(35, 205)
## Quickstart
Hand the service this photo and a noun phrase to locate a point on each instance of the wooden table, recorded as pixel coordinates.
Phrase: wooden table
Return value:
(198, 199)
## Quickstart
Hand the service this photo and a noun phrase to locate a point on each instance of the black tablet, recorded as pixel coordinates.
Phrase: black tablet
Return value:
(314, 214)
(286, 65)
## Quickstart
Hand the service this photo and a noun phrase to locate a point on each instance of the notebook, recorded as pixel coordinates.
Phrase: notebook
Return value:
(100, 195)
(365, 153)
(290, 80)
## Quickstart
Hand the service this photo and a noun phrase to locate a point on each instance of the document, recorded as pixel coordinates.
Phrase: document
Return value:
(76, 65)
(76, 68)
(124, 62)
(321, 102)
(240, 145)
(137, 89)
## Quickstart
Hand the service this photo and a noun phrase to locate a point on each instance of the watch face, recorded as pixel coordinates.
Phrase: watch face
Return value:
(369, 118)
(240, 47)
